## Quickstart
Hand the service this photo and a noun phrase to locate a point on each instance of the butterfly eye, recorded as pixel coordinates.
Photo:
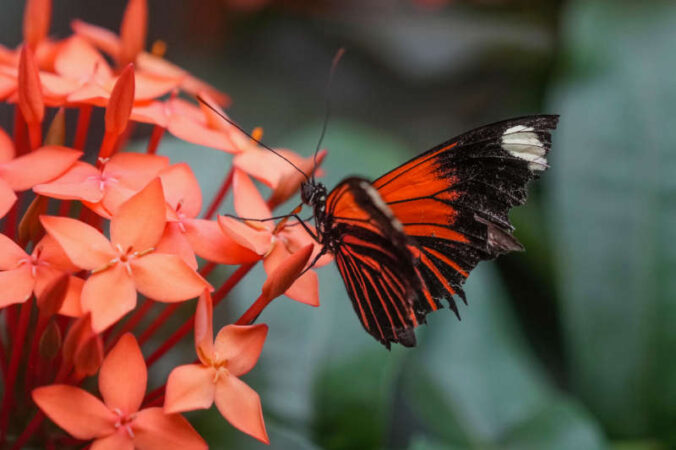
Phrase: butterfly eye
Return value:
(306, 193)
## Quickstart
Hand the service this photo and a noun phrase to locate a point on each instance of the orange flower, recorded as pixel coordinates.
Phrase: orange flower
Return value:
(185, 235)
(24, 172)
(215, 379)
(273, 244)
(23, 274)
(116, 422)
(128, 47)
(129, 261)
(105, 188)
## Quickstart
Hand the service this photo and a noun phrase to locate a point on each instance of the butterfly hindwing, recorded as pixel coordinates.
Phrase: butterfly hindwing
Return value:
(408, 241)
(453, 200)
(374, 260)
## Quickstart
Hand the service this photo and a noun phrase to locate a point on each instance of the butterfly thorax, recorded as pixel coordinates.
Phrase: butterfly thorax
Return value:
(314, 194)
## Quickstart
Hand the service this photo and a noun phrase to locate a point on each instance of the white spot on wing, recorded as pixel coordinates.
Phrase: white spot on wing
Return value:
(381, 205)
(522, 142)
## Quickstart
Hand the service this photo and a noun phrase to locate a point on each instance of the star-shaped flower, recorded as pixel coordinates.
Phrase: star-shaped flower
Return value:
(117, 422)
(129, 261)
(215, 379)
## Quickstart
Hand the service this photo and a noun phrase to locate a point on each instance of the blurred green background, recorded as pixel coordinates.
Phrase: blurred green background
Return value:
(570, 345)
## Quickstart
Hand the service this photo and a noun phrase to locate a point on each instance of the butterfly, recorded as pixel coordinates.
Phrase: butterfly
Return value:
(406, 242)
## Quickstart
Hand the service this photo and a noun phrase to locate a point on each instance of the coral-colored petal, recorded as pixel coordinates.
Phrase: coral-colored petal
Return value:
(17, 286)
(7, 197)
(209, 241)
(257, 240)
(240, 346)
(7, 151)
(189, 387)
(72, 304)
(37, 167)
(80, 182)
(305, 288)
(75, 410)
(49, 251)
(155, 430)
(108, 295)
(139, 222)
(166, 278)
(100, 37)
(79, 60)
(173, 241)
(181, 189)
(155, 113)
(198, 133)
(85, 246)
(241, 406)
(135, 170)
(204, 327)
(123, 376)
(10, 253)
(149, 87)
(119, 440)
(248, 201)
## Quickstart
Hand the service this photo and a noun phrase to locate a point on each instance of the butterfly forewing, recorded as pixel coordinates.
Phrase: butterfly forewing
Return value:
(410, 239)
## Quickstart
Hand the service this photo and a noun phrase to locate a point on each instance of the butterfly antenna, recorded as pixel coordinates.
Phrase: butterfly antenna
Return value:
(334, 65)
(234, 124)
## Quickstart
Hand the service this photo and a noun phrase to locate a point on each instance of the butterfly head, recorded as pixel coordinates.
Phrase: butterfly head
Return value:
(312, 193)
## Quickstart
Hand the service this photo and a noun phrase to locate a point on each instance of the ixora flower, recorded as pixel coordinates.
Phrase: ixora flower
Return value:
(117, 422)
(128, 262)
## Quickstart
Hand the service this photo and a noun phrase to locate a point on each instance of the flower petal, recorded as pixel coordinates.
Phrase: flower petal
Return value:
(7, 151)
(166, 278)
(72, 304)
(241, 406)
(10, 253)
(181, 189)
(39, 166)
(108, 295)
(189, 387)
(155, 430)
(135, 170)
(303, 288)
(240, 346)
(81, 182)
(119, 440)
(85, 246)
(17, 285)
(123, 376)
(7, 197)
(173, 242)
(139, 223)
(198, 133)
(248, 201)
(75, 410)
(101, 37)
(208, 241)
(204, 327)
(258, 241)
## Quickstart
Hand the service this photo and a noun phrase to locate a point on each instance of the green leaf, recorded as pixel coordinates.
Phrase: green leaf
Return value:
(475, 384)
(613, 166)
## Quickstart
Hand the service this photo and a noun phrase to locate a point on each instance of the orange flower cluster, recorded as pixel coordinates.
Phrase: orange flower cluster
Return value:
(81, 241)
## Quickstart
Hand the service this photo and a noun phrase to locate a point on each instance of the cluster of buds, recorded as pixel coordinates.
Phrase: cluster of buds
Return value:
(81, 240)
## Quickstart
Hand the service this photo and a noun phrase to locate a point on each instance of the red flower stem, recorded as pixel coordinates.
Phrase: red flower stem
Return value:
(30, 429)
(17, 347)
(158, 322)
(225, 187)
(155, 138)
(133, 321)
(33, 354)
(10, 320)
(12, 220)
(3, 361)
(254, 311)
(19, 132)
(82, 129)
(64, 208)
(207, 269)
(187, 326)
(35, 135)
(153, 396)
